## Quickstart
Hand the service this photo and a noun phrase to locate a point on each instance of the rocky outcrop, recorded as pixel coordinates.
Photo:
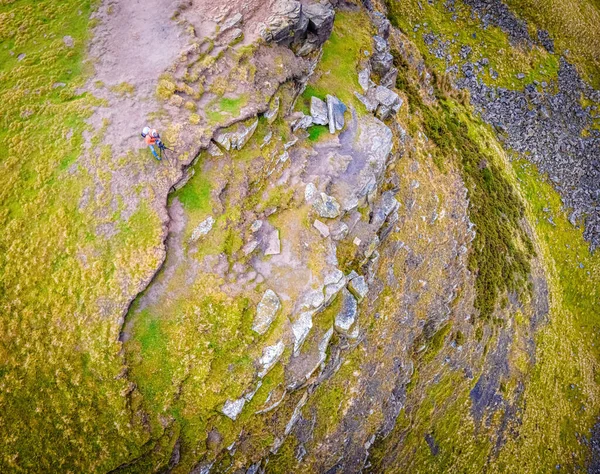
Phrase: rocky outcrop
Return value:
(302, 26)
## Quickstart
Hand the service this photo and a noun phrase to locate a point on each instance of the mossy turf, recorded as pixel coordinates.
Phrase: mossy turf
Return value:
(63, 279)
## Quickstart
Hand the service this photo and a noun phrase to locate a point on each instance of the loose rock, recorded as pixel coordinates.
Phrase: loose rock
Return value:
(335, 112)
(347, 315)
(266, 311)
(318, 110)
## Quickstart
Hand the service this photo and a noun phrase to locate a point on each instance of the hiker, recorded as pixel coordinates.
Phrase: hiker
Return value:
(152, 138)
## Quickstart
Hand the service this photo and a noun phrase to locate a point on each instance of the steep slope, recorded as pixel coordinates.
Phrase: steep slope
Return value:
(369, 249)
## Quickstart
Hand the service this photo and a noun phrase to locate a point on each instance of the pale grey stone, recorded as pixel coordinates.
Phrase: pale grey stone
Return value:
(68, 40)
(273, 245)
(250, 247)
(312, 299)
(203, 228)
(386, 96)
(214, 150)
(296, 414)
(335, 112)
(347, 315)
(301, 327)
(291, 143)
(282, 25)
(358, 287)
(232, 409)
(232, 22)
(266, 311)
(270, 357)
(267, 139)
(310, 192)
(320, 16)
(368, 101)
(256, 225)
(364, 79)
(303, 123)
(244, 134)
(334, 282)
(318, 110)
(326, 206)
(339, 231)
(322, 228)
(273, 111)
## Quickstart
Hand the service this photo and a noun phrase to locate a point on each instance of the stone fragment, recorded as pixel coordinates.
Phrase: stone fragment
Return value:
(322, 228)
(310, 192)
(267, 139)
(21, 56)
(368, 100)
(301, 327)
(334, 282)
(244, 134)
(318, 110)
(232, 22)
(347, 315)
(389, 80)
(273, 246)
(232, 409)
(203, 228)
(270, 357)
(256, 225)
(386, 97)
(313, 299)
(382, 60)
(364, 79)
(68, 40)
(303, 123)
(291, 143)
(339, 231)
(273, 111)
(358, 287)
(266, 311)
(326, 206)
(310, 45)
(250, 247)
(335, 112)
(214, 150)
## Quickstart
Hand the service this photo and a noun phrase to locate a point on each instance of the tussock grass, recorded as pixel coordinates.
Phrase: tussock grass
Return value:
(68, 260)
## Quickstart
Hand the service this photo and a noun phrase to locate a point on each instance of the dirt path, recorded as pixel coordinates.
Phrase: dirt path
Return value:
(134, 43)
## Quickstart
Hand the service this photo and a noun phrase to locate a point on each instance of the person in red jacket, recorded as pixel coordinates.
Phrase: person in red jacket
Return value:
(152, 138)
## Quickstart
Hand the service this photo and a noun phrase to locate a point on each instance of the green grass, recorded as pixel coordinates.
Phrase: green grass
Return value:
(337, 72)
(223, 108)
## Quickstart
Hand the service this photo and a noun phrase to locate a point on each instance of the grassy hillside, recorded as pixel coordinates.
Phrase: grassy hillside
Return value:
(61, 387)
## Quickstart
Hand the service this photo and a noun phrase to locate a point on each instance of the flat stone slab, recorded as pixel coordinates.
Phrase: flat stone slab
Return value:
(322, 228)
(203, 228)
(266, 311)
(347, 315)
(233, 408)
(335, 111)
(270, 357)
(318, 110)
(358, 287)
